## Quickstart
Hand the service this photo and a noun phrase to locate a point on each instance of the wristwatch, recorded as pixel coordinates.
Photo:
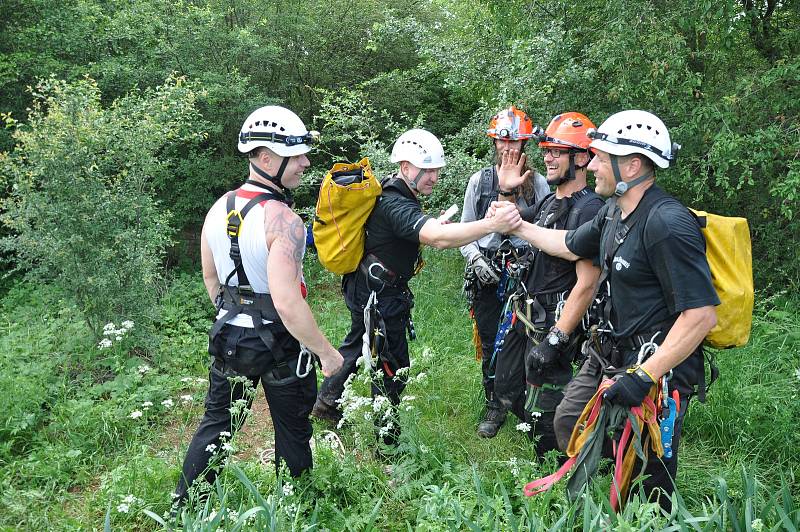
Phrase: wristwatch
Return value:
(557, 338)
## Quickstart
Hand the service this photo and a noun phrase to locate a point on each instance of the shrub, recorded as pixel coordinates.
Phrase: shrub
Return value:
(82, 209)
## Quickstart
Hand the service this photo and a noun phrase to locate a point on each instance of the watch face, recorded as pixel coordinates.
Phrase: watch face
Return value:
(552, 340)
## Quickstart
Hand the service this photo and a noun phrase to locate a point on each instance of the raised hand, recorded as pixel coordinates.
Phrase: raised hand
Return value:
(510, 175)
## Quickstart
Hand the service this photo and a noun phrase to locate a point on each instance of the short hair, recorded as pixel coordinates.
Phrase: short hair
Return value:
(646, 162)
(256, 152)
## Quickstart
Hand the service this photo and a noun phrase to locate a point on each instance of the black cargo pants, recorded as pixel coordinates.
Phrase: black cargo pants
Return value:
(290, 401)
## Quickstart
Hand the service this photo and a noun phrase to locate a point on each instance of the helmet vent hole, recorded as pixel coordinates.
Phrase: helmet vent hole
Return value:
(639, 126)
(649, 128)
(283, 128)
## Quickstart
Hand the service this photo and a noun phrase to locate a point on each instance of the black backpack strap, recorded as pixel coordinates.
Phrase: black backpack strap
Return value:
(233, 229)
(580, 198)
(487, 191)
(614, 234)
(241, 299)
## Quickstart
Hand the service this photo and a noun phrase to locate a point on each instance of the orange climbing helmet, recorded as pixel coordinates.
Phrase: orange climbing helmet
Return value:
(567, 130)
(510, 124)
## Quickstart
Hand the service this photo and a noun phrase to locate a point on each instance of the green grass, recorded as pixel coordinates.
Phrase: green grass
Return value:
(70, 453)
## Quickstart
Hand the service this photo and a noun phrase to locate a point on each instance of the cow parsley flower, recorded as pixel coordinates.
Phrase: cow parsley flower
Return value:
(523, 427)
(210, 448)
(136, 414)
(105, 343)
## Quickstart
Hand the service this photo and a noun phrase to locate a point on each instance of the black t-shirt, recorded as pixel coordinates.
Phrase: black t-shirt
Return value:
(393, 228)
(658, 271)
(550, 274)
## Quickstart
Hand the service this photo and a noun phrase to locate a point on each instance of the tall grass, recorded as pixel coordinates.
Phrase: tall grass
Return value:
(71, 455)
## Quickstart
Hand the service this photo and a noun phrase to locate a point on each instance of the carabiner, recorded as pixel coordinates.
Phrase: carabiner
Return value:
(562, 300)
(309, 362)
(647, 349)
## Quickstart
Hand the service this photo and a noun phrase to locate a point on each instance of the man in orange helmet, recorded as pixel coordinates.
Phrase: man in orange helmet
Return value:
(556, 292)
(510, 129)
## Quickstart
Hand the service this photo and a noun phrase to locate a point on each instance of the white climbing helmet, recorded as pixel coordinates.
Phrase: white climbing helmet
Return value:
(634, 131)
(278, 129)
(419, 147)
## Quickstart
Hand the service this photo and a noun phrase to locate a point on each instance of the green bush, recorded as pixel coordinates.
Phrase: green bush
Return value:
(82, 210)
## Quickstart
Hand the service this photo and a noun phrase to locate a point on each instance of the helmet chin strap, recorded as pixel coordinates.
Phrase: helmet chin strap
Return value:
(570, 175)
(622, 187)
(276, 179)
(414, 182)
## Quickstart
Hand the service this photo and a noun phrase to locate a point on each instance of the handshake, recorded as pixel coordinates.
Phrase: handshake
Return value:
(503, 217)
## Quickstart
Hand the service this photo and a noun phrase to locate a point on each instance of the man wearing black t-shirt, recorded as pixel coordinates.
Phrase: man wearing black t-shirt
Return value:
(652, 256)
(556, 292)
(396, 230)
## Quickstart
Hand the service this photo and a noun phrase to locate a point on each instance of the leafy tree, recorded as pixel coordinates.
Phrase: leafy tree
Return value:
(83, 210)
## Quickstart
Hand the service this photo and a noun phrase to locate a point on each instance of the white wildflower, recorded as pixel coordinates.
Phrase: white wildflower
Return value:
(147, 404)
(187, 398)
(118, 338)
(127, 324)
(210, 448)
(187, 379)
(136, 414)
(402, 371)
(291, 509)
(227, 447)
(105, 343)
(224, 434)
(288, 489)
(108, 327)
(130, 499)
(123, 508)
(167, 403)
(523, 427)
(144, 368)
(536, 415)
(409, 397)
(379, 403)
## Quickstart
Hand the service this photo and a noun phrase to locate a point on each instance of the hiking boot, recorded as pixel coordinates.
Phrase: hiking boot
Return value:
(326, 412)
(492, 421)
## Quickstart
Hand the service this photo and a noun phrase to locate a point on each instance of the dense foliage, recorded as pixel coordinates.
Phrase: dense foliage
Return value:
(725, 77)
(118, 123)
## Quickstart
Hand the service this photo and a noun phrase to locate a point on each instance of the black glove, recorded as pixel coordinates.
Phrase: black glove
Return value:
(630, 390)
(541, 357)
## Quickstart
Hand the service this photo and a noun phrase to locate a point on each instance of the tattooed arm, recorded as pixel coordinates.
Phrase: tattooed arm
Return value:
(286, 235)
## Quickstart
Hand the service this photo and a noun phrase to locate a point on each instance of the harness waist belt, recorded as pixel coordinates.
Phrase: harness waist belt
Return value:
(374, 269)
(550, 299)
(242, 299)
(638, 340)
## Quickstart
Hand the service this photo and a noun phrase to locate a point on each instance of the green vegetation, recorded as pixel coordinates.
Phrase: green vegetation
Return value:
(74, 449)
(117, 131)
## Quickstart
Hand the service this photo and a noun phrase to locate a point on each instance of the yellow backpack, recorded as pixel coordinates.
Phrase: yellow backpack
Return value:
(346, 199)
(730, 258)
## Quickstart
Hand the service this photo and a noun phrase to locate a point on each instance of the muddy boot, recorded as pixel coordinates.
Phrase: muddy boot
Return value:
(492, 421)
(326, 412)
